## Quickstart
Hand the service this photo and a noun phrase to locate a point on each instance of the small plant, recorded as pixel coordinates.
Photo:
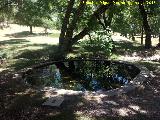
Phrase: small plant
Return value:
(100, 44)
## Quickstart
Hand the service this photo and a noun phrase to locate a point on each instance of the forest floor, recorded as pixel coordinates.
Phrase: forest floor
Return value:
(19, 49)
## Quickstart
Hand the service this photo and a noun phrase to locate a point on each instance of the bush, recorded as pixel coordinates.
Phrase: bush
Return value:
(100, 44)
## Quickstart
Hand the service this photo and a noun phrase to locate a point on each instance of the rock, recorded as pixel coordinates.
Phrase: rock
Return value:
(54, 101)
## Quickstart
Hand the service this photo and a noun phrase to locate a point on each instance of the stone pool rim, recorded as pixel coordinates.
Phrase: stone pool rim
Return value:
(137, 81)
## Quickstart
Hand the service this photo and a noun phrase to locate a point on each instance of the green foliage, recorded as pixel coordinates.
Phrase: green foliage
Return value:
(27, 14)
(126, 20)
(34, 13)
(100, 43)
(47, 23)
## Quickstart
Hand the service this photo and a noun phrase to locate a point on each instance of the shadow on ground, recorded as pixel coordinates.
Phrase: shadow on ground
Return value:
(130, 48)
(13, 41)
(28, 34)
(125, 47)
(27, 58)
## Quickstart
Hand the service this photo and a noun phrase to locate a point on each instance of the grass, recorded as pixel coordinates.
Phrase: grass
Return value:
(54, 35)
(21, 53)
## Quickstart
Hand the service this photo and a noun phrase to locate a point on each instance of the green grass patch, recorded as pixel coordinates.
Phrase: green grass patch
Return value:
(54, 35)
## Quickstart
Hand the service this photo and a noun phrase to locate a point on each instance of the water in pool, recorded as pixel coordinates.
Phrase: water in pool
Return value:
(82, 75)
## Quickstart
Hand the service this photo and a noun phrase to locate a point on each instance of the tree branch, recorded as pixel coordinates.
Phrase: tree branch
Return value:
(101, 23)
(76, 17)
(87, 29)
(66, 20)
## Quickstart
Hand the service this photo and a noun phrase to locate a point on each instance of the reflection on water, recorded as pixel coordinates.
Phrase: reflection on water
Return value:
(83, 75)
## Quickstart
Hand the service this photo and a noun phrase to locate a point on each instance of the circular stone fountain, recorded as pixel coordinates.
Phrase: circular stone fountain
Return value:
(89, 76)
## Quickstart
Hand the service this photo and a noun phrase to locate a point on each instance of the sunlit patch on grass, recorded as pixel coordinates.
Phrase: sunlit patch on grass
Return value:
(137, 108)
(54, 35)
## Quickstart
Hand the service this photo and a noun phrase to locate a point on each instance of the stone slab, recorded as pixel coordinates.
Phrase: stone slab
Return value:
(54, 101)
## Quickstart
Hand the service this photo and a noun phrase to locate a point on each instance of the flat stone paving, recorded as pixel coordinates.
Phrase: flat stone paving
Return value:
(54, 101)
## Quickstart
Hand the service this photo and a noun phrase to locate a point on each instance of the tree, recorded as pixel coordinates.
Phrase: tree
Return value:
(126, 20)
(6, 11)
(32, 13)
(69, 23)
(154, 10)
(4, 4)
(146, 26)
(47, 24)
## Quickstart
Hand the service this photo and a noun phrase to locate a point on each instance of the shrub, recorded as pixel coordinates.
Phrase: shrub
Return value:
(100, 44)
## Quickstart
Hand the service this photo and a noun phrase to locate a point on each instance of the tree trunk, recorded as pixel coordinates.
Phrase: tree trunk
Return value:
(101, 23)
(30, 29)
(142, 35)
(146, 26)
(107, 20)
(133, 38)
(159, 38)
(62, 41)
(45, 30)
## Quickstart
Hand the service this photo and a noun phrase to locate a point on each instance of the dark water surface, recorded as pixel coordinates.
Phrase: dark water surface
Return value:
(83, 75)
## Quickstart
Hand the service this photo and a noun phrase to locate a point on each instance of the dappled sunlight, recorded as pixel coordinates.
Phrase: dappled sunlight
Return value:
(58, 92)
(130, 51)
(129, 111)
(117, 37)
(28, 91)
(52, 114)
(19, 49)
(111, 102)
(43, 40)
(125, 112)
(138, 58)
(138, 109)
(92, 98)
(99, 112)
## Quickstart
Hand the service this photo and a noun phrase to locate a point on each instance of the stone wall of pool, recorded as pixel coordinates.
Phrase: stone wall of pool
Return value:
(144, 75)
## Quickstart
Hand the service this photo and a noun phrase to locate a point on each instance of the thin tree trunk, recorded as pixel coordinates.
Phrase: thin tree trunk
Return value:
(65, 22)
(159, 38)
(146, 26)
(45, 30)
(107, 20)
(142, 35)
(101, 23)
(133, 38)
(30, 29)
